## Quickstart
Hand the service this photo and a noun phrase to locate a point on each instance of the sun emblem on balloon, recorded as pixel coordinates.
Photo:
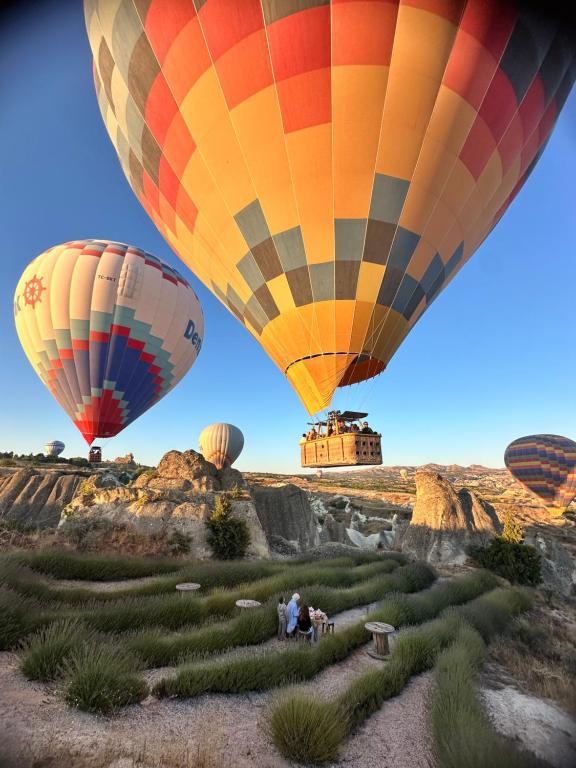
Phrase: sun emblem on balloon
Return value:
(33, 291)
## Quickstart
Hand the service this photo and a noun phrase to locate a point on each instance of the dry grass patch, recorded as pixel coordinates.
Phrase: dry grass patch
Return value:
(538, 651)
(110, 754)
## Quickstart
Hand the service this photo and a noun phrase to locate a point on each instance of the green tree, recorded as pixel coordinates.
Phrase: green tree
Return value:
(228, 537)
(513, 530)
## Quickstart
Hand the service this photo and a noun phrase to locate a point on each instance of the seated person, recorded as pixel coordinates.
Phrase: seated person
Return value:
(304, 623)
(366, 429)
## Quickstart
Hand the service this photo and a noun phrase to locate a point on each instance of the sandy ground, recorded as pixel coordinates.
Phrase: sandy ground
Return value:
(34, 715)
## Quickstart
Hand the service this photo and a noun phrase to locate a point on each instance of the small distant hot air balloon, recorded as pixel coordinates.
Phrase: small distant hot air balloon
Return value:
(221, 444)
(109, 328)
(54, 448)
(404, 474)
(327, 168)
(546, 465)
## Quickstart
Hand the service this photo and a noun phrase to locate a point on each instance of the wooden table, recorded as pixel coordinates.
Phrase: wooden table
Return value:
(248, 604)
(187, 586)
(380, 632)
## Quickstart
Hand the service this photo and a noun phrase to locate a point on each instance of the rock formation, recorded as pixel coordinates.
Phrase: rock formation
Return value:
(332, 530)
(558, 568)
(445, 522)
(36, 498)
(176, 498)
(128, 459)
(285, 511)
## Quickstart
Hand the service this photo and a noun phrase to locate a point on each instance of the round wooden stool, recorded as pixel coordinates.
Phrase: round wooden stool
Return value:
(380, 632)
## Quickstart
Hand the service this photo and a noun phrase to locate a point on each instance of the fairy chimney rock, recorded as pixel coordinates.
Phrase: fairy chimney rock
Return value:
(445, 521)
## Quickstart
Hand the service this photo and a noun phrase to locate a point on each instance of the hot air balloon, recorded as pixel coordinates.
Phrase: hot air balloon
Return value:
(546, 465)
(221, 444)
(327, 168)
(110, 329)
(54, 448)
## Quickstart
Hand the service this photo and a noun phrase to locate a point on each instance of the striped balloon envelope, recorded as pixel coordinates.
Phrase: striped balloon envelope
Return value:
(546, 465)
(110, 329)
(326, 168)
(221, 444)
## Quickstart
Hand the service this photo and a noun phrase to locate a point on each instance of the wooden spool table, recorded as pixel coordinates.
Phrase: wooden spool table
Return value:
(380, 632)
(187, 586)
(248, 604)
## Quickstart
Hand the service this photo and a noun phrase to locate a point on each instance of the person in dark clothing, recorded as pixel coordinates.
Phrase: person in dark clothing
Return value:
(305, 623)
(366, 429)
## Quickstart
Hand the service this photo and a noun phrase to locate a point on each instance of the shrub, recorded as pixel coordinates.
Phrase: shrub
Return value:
(228, 536)
(180, 543)
(463, 734)
(512, 530)
(519, 563)
(320, 738)
(101, 679)
(236, 492)
(490, 614)
(44, 652)
(412, 653)
(79, 461)
(66, 565)
(263, 671)
(17, 618)
(261, 624)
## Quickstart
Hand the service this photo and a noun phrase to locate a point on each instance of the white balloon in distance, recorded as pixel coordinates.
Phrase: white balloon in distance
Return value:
(221, 444)
(54, 448)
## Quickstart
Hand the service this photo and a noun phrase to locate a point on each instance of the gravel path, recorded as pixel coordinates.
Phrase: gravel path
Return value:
(398, 735)
(105, 586)
(341, 620)
(34, 715)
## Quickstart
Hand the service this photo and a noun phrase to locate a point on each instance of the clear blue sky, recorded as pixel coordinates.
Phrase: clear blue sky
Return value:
(493, 359)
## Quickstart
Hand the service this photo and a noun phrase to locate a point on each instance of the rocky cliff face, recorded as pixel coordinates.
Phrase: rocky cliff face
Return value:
(558, 568)
(36, 498)
(178, 496)
(285, 511)
(444, 521)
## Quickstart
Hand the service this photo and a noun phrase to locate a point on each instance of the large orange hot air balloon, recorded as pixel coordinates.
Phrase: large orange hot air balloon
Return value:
(326, 168)
(110, 330)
